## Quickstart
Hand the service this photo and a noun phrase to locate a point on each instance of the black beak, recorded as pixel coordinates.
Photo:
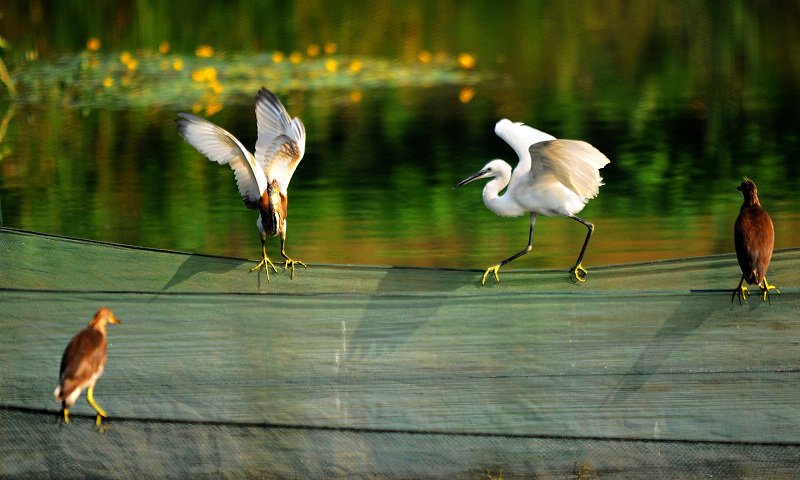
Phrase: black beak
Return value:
(469, 179)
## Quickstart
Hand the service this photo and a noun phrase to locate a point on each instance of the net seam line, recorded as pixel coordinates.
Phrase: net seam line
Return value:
(719, 256)
(785, 292)
(408, 431)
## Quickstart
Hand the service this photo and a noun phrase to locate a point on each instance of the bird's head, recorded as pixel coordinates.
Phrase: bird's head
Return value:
(749, 191)
(495, 168)
(102, 317)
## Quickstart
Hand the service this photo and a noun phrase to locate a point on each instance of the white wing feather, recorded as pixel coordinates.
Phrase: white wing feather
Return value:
(574, 163)
(220, 146)
(281, 141)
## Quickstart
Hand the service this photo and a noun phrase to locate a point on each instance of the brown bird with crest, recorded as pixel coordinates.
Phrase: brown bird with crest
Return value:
(754, 239)
(263, 178)
(83, 363)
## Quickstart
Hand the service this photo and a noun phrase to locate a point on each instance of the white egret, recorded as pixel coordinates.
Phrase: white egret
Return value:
(553, 178)
(262, 179)
(754, 239)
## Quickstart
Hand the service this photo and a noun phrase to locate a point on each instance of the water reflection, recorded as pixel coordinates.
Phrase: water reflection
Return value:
(685, 98)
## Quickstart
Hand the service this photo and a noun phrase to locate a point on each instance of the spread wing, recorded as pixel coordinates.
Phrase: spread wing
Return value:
(574, 163)
(220, 146)
(281, 140)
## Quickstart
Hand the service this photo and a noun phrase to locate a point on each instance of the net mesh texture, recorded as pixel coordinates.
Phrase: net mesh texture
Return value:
(647, 370)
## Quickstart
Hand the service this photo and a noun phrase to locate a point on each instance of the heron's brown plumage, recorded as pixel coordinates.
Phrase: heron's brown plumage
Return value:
(83, 361)
(273, 207)
(754, 236)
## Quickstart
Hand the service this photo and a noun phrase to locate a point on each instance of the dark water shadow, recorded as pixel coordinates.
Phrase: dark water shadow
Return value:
(684, 321)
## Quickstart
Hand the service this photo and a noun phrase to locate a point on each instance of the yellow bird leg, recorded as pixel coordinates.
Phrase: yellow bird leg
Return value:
(100, 412)
(494, 270)
(766, 288)
(574, 272)
(265, 261)
(290, 263)
(66, 416)
(741, 291)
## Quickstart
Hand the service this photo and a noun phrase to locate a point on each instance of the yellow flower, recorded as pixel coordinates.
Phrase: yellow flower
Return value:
(210, 73)
(277, 56)
(93, 44)
(331, 65)
(199, 75)
(425, 56)
(132, 64)
(296, 57)
(355, 97)
(177, 65)
(466, 94)
(125, 57)
(355, 66)
(204, 51)
(163, 47)
(466, 60)
(313, 50)
(197, 107)
(330, 48)
(213, 107)
(108, 82)
(215, 86)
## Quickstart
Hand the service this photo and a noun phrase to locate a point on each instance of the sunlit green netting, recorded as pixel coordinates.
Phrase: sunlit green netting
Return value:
(646, 370)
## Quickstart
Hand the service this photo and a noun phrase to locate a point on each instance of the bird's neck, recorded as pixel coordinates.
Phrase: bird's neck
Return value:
(504, 205)
(751, 201)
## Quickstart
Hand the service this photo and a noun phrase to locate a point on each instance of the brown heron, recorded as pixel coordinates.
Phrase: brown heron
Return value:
(83, 363)
(754, 239)
(263, 178)
(553, 178)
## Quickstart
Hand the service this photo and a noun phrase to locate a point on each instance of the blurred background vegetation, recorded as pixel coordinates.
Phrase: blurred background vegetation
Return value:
(399, 101)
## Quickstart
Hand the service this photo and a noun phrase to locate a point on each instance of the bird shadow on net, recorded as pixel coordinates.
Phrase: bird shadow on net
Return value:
(391, 318)
(687, 317)
(201, 264)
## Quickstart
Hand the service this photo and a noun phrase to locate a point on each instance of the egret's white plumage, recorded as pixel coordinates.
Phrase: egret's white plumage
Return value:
(553, 178)
(263, 178)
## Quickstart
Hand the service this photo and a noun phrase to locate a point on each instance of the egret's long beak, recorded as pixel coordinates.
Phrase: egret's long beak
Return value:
(469, 179)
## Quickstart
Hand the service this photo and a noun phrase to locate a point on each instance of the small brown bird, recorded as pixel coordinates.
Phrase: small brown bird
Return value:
(754, 238)
(83, 363)
(262, 179)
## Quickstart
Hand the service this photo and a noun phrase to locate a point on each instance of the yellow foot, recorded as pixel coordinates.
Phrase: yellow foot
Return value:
(290, 264)
(63, 417)
(741, 292)
(489, 270)
(575, 273)
(100, 423)
(267, 263)
(766, 288)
